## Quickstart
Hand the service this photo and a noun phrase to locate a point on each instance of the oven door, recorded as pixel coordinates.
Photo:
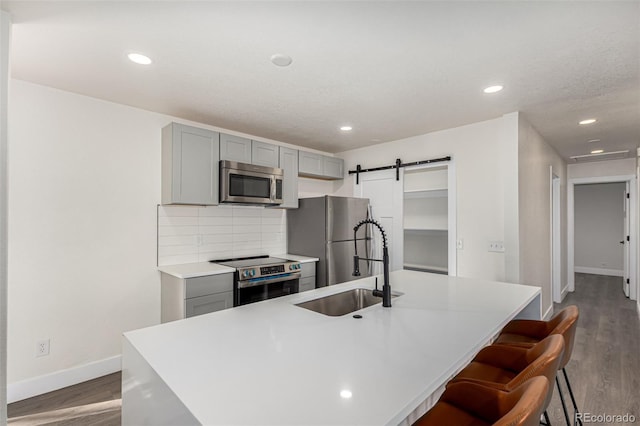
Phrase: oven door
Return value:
(249, 291)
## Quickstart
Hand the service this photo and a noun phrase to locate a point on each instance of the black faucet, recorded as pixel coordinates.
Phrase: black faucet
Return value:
(386, 288)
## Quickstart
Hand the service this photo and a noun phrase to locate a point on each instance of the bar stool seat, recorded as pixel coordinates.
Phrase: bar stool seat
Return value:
(507, 367)
(473, 404)
(527, 333)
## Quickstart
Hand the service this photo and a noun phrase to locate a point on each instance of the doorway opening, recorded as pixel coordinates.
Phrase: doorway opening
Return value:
(602, 229)
(419, 209)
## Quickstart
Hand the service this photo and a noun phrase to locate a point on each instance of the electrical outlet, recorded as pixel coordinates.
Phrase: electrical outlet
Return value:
(42, 347)
(496, 246)
(460, 244)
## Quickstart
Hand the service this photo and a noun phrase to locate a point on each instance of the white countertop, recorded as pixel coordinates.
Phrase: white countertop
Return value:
(201, 269)
(191, 270)
(275, 363)
(297, 257)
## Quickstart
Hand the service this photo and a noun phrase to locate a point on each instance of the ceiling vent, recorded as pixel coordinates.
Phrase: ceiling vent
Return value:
(614, 155)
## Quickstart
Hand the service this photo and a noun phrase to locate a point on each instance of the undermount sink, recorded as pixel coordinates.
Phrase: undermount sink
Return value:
(343, 303)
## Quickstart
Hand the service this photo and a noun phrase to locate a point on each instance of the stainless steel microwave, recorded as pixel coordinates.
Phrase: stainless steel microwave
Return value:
(249, 184)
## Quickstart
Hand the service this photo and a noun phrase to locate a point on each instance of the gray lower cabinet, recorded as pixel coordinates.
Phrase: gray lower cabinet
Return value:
(315, 165)
(235, 148)
(206, 304)
(307, 277)
(289, 163)
(190, 158)
(187, 297)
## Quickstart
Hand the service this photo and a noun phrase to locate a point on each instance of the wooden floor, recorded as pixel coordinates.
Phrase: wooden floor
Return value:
(96, 402)
(605, 365)
(604, 370)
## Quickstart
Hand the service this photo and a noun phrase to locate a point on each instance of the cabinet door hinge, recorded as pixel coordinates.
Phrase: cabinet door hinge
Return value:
(627, 280)
(627, 238)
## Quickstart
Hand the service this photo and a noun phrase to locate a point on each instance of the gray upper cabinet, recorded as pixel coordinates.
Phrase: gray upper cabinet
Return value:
(243, 150)
(264, 154)
(235, 148)
(310, 164)
(289, 163)
(320, 166)
(190, 159)
(333, 167)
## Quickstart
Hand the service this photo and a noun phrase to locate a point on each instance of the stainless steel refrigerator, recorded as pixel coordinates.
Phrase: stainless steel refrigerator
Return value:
(322, 227)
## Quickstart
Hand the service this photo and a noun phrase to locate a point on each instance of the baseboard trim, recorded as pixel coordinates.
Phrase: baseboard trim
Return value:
(62, 378)
(564, 292)
(547, 315)
(599, 271)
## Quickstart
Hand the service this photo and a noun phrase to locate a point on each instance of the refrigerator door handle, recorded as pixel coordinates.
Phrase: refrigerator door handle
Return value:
(369, 248)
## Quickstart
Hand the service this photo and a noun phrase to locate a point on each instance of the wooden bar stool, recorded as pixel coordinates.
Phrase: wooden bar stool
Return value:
(526, 333)
(468, 403)
(507, 367)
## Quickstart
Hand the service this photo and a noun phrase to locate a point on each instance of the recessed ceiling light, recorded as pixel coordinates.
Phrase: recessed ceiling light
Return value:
(597, 151)
(139, 58)
(593, 140)
(493, 89)
(346, 393)
(588, 121)
(281, 60)
(346, 128)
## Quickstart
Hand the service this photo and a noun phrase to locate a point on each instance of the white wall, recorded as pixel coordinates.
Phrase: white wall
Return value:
(84, 184)
(534, 197)
(5, 37)
(484, 155)
(599, 227)
(84, 187)
(622, 167)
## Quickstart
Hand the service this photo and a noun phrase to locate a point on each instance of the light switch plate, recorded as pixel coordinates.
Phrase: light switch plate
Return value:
(496, 246)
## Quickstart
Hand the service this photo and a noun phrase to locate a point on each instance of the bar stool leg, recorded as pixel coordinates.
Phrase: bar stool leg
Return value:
(564, 406)
(546, 419)
(573, 399)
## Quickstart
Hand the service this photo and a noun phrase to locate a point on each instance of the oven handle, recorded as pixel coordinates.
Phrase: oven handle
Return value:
(269, 280)
(273, 189)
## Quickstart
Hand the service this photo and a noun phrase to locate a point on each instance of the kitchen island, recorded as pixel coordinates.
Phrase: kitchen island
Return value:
(276, 363)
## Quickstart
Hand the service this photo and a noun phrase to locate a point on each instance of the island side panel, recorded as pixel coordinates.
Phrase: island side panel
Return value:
(533, 311)
(146, 399)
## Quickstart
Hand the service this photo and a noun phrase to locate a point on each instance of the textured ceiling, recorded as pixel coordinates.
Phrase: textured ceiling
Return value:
(389, 69)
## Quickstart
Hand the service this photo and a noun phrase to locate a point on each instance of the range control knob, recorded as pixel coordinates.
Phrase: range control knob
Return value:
(292, 267)
(253, 272)
(245, 274)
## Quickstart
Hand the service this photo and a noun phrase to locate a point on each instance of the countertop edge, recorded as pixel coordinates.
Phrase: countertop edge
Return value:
(202, 269)
(194, 270)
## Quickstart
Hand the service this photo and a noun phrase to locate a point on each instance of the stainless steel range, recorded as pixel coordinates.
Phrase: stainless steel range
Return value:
(262, 277)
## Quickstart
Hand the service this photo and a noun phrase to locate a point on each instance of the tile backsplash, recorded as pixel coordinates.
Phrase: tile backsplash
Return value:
(189, 234)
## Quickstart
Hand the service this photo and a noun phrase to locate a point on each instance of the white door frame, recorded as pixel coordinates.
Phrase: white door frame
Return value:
(452, 205)
(633, 232)
(556, 248)
(627, 247)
